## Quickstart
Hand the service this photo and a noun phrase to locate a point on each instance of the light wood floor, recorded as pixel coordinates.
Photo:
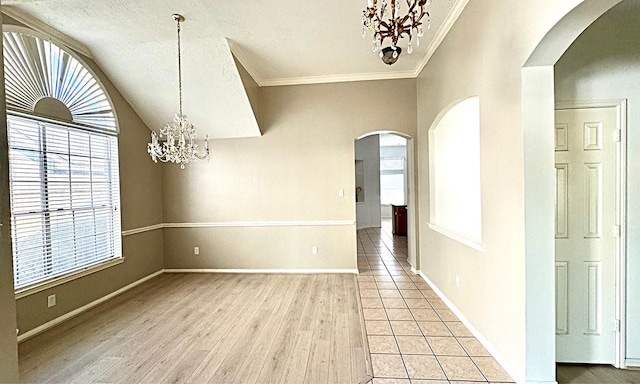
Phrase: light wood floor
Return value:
(595, 374)
(204, 328)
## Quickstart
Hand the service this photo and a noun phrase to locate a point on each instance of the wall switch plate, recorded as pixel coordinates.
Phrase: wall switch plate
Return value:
(196, 250)
(51, 301)
(457, 281)
(314, 250)
(341, 192)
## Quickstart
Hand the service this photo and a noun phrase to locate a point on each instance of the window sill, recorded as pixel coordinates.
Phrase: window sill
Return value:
(39, 287)
(472, 243)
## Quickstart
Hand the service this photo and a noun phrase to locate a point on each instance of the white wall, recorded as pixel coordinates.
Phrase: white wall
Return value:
(368, 211)
(604, 63)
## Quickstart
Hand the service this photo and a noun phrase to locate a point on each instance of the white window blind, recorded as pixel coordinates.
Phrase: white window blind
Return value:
(65, 198)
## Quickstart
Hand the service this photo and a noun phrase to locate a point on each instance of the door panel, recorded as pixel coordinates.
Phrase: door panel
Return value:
(586, 235)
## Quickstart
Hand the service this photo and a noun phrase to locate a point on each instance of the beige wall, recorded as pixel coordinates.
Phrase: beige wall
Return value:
(8, 343)
(252, 89)
(483, 56)
(141, 205)
(291, 174)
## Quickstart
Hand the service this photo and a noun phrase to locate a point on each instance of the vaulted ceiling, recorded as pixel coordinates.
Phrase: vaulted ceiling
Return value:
(279, 43)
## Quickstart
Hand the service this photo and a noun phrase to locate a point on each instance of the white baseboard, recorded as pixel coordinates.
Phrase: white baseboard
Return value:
(84, 308)
(541, 382)
(415, 271)
(485, 343)
(265, 271)
(633, 363)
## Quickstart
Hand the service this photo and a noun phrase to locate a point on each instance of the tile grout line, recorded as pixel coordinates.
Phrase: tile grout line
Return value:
(380, 260)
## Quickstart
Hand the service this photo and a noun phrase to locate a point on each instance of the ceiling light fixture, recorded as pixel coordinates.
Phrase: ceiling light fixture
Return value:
(394, 27)
(180, 146)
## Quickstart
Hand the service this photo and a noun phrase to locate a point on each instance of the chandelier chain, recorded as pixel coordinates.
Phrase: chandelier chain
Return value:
(179, 66)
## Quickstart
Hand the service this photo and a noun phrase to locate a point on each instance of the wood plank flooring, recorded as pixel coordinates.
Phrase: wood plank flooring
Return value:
(207, 328)
(595, 374)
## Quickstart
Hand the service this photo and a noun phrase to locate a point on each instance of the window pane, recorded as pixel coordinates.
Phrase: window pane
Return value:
(64, 202)
(391, 164)
(392, 189)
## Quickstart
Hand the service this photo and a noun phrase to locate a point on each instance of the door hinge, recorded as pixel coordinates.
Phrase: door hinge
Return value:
(617, 231)
(618, 135)
(618, 325)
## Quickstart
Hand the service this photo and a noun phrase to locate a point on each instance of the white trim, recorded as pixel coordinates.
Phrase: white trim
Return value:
(238, 224)
(30, 290)
(447, 24)
(234, 224)
(415, 271)
(621, 213)
(341, 78)
(485, 343)
(632, 363)
(460, 238)
(84, 308)
(242, 58)
(148, 228)
(41, 27)
(266, 271)
(584, 104)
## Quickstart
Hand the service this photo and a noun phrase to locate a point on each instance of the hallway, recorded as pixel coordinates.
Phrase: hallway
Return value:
(412, 334)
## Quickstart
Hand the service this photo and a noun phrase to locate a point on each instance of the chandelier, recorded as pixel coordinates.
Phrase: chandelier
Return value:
(179, 146)
(393, 24)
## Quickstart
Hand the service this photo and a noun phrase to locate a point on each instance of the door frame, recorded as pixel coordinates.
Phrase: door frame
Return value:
(621, 214)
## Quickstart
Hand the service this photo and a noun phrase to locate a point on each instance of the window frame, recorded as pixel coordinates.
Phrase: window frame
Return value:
(114, 131)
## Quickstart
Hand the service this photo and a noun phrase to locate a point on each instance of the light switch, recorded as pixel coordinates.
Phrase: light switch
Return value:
(341, 192)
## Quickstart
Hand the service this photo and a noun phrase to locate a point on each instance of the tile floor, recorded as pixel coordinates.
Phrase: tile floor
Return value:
(413, 336)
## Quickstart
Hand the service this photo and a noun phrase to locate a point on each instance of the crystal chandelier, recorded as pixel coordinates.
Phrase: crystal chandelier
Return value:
(391, 23)
(180, 146)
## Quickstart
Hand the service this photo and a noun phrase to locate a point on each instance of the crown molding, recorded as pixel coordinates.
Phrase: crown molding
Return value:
(338, 78)
(242, 58)
(41, 27)
(451, 18)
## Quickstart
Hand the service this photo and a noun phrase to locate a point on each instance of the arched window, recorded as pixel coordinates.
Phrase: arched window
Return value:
(63, 163)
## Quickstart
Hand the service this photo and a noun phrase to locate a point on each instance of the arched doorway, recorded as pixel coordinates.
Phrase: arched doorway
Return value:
(538, 105)
(411, 198)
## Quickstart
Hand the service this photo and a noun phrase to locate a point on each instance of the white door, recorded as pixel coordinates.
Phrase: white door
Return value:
(586, 235)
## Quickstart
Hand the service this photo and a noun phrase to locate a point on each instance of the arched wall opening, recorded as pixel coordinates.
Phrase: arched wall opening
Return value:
(538, 106)
(412, 206)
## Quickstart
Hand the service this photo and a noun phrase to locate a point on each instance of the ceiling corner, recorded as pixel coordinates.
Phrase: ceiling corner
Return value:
(448, 23)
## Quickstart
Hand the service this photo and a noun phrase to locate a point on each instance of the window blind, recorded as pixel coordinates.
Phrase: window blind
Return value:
(65, 198)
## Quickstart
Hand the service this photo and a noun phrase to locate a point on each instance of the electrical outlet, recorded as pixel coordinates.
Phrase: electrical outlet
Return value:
(196, 250)
(457, 281)
(51, 301)
(314, 250)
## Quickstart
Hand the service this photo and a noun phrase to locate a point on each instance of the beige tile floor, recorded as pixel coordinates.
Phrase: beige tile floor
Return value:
(413, 336)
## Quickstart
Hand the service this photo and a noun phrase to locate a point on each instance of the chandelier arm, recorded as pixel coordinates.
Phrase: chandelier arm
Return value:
(411, 6)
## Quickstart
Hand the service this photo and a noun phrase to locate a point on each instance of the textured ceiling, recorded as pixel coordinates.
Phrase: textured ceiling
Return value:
(278, 42)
